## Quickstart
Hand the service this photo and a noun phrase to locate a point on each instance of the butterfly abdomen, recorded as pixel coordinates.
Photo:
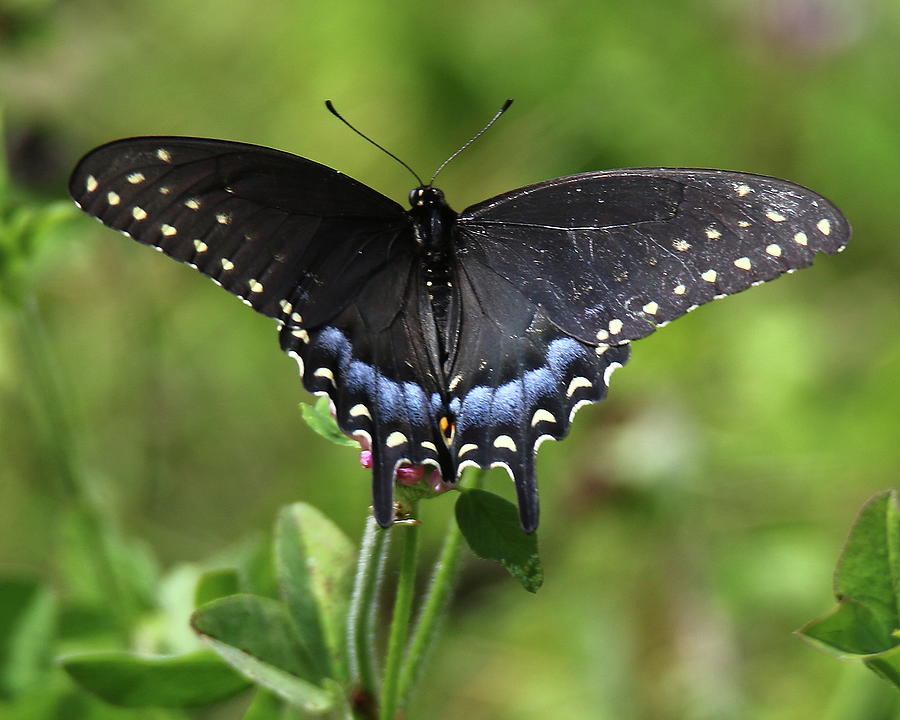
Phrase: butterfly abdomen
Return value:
(434, 223)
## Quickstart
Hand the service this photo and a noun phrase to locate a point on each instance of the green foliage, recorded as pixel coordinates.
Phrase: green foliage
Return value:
(216, 584)
(131, 680)
(319, 419)
(866, 623)
(256, 636)
(26, 231)
(315, 562)
(27, 625)
(490, 525)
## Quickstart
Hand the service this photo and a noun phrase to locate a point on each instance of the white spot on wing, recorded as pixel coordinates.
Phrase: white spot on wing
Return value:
(301, 334)
(743, 263)
(395, 438)
(192, 204)
(577, 406)
(651, 308)
(91, 183)
(801, 239)
(138, 213)
(681, 245)
(775, 216)
(135, 178)
(112, 197)
(578, 382)
(223, 218)
(167, 230)
(615, 326)
(743, 190)
(712, 233)
(428, 445)
(774, 250)
(610, 369)
(285, 306)
(299, 360)
(468, 447)
(164, 155)
(680, 290)
(200, 246)
(824, 226)
(541, 415)
(602, 335)
(324, 372)
(360, 411)
(505, 442)
(710, 276)
(255, 286)
(227, 264)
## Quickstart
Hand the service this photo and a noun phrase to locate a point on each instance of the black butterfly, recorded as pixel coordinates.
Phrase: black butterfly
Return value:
(450, 339)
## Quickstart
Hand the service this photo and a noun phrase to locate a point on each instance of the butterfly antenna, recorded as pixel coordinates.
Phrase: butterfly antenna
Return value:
(477, 135)
(383, 149)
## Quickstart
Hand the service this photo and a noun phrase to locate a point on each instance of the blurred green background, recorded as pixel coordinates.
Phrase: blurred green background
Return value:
(690, 522)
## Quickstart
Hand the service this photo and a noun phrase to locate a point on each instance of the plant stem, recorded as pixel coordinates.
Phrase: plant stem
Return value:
(363, 616)
(400, 620)
(435, 605)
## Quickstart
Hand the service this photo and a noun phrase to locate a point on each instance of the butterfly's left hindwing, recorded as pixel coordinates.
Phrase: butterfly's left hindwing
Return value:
(516, 379)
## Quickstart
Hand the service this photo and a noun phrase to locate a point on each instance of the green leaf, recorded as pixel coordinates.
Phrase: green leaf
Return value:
(490, 525)
(265, 706)
(314, 562)
(850, 629)
(869, 569)
(132, 680)
(27, 623)
(216, 584)
(255, 636)
(865, 623)
(4, 168)
(319, 418)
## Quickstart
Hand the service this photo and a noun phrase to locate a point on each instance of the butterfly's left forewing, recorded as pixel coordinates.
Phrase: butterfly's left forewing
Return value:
(612, 255)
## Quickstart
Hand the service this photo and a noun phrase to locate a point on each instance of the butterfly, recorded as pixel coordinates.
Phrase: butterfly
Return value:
(452, 339)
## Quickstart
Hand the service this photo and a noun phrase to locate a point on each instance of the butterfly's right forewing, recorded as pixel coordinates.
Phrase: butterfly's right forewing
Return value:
(262, 223)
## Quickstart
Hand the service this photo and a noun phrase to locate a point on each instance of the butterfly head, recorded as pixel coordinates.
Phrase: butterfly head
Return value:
(425, 196)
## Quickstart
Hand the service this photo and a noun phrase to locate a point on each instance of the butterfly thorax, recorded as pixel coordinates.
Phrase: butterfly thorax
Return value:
(433, 224)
